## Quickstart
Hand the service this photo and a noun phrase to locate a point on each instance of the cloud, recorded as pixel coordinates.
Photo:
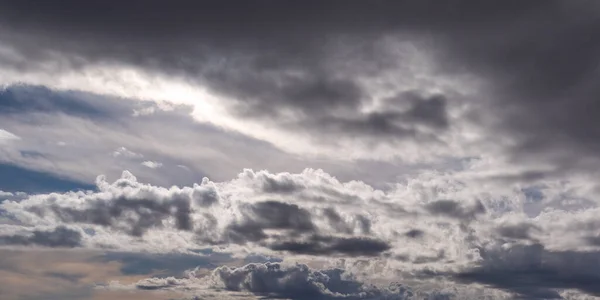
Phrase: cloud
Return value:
(124, 152)
(411, 231)
(271, 215)
(58, 237)
(96, 137)
(453, 209)
(545, 272)
(497, 99)
(132, 213)
(152, 164)
(304, 90)
(321, 245)
(366, 81)
(7, 136)
(11, 195)
(290, 282)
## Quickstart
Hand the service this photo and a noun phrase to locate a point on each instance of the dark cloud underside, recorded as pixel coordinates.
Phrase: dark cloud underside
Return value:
(539, 56)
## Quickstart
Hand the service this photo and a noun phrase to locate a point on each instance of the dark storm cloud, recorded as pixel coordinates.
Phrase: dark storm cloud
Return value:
(58, 237)
(533, 272)
(271, 57)
(539, 59)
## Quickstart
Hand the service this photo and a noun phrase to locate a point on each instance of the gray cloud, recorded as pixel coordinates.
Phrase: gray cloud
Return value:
(521, 231)
(316, 70)
(534, 272)
(324, 245)
(296, 72)
(59, 127)
(58, 237)
(136, 213)
(148, 213)
(273, 58)
(453, 209)
(300, 282)
(270, 215)
(352, 225)
(157, 283)
(414, 233)
(279, 281)
(336, 220)
(297, 233)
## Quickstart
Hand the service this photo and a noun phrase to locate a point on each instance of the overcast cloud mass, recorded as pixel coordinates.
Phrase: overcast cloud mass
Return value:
(299, 150)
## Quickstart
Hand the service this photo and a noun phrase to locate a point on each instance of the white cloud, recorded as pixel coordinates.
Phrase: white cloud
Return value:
(6, 136)
(430, 223)
(12, 196)
(126, 153)
(152, 164)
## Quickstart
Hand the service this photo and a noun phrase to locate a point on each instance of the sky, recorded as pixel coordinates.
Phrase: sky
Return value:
(402, 150)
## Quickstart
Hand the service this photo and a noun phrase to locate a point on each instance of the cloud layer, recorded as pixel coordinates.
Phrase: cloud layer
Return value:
(436, 226)
(461, 142)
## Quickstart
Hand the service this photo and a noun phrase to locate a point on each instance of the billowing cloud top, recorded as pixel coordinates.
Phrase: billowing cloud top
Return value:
(436, 227)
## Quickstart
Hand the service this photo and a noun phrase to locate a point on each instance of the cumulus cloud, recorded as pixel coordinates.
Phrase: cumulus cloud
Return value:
(411, 231)
(300, 282)
(276, 280)
(126, 205)
(12, 196)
